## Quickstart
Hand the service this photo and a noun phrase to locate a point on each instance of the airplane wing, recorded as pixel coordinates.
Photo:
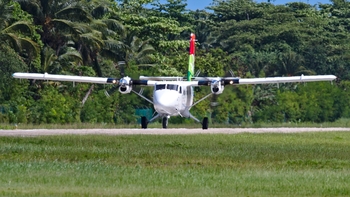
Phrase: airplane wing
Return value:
(46, 76)
(267, 80)
(217, 83)
(83, 79)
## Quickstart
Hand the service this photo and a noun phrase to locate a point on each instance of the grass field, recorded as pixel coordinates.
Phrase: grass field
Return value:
(299, 164)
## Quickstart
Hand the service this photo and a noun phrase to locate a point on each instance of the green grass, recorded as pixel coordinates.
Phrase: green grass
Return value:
(300, 164)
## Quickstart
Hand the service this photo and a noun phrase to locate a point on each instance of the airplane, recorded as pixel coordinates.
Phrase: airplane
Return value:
(174, 96)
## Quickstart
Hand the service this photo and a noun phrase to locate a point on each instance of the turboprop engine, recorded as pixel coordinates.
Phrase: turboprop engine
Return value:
(217, 87)
(125, 85)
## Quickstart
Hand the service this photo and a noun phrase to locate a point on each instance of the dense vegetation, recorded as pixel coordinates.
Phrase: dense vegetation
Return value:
(94, 37)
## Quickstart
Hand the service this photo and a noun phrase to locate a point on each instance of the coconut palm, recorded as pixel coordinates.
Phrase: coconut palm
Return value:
(81, 23)
(57, 18)
(16, 34)
(139, 52)
(290, 64)
(52, 63)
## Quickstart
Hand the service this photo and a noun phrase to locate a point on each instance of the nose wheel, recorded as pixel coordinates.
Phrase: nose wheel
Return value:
(165, 122)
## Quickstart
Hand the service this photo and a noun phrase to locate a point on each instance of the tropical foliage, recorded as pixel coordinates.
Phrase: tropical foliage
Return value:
(147, 37)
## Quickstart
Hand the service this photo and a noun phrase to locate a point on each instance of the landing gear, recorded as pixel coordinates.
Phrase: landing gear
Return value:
(165, 122)
(144, 122)
(205, 123)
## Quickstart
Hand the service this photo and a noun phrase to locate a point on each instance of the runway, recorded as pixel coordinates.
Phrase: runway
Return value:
(181, 131)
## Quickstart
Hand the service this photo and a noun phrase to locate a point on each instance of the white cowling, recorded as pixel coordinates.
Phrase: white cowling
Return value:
(124, 85)
(216, 87)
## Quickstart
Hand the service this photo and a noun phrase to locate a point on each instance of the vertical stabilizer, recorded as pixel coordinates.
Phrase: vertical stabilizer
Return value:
(190, 71)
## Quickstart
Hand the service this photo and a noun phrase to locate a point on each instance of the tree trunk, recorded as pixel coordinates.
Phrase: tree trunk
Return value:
(87, 95)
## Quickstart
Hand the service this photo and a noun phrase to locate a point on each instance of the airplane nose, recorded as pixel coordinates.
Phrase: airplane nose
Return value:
(165, 102)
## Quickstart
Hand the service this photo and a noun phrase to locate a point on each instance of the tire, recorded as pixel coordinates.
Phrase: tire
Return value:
(144, 122)
(205, 123)
(165, 122)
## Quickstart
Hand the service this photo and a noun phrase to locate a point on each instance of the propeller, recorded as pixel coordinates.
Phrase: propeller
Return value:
(121, 82)
(214, 98)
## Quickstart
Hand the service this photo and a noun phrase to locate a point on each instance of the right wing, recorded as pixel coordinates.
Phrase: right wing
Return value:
(125, 81)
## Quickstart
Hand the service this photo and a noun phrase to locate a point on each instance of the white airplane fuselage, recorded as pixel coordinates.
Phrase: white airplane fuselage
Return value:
(172, 99)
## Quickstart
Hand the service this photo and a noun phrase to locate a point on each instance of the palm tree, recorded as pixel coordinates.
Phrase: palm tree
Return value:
(82, 23)
(56, 18)
(139, 52)
(290, 64)
(69, 57)
(16, 34)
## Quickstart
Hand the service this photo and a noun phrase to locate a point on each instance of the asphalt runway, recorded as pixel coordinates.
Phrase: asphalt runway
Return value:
(183, 131)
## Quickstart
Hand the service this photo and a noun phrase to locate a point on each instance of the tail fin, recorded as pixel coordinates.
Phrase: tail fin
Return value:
(190, 72)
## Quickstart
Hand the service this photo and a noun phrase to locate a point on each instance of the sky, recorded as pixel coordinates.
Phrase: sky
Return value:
(201, 4)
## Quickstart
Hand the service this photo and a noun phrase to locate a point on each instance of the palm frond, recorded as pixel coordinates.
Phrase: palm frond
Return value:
(30, 47)
(71, 55)
(48, 57)
(75, 14)
(20, 26)
(115, 45)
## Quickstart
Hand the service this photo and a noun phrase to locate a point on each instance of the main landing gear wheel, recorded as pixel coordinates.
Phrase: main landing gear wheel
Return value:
(205, 123)
(165, 122)
(144, 122)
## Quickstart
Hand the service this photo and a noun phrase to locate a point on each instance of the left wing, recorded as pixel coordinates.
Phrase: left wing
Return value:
(268, 80)
(218, 84)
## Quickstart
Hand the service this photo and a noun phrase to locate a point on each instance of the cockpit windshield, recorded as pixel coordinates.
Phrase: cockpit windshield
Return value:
(167, 86)
(172, 87)
(160, 86)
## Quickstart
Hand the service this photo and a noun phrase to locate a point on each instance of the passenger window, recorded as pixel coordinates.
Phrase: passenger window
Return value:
(180, 90)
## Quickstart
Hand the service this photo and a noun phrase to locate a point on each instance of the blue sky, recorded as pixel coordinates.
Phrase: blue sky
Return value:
(201, 4)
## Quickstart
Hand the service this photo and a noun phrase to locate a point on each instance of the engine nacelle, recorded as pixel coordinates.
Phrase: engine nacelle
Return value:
(125, 85)
(125, 89)
(216, 87)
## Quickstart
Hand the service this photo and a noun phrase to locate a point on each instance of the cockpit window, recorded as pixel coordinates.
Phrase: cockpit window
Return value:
(167, 86)
(160, 86)
(172, 87)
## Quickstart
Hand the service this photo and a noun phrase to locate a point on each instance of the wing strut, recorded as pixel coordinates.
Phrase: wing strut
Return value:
(201, 100)
(140, 95)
